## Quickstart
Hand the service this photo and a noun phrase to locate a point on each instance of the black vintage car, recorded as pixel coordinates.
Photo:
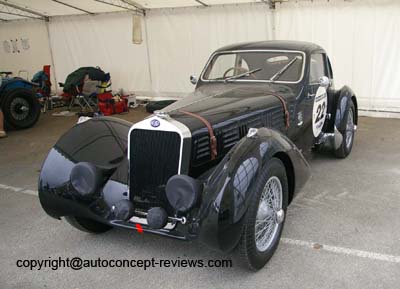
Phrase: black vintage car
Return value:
(221, 165)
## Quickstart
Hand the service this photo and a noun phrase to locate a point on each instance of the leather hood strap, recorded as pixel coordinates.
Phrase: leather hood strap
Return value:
(213, 139)
(285, 109)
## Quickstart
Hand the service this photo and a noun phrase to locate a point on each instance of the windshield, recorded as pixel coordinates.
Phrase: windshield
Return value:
(263, 66)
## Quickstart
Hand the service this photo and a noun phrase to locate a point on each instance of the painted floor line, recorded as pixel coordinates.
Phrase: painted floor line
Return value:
(19, 190)
(300, 243)
(342, 250)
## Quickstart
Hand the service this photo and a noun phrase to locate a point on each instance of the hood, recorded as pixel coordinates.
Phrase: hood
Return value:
(221, 102)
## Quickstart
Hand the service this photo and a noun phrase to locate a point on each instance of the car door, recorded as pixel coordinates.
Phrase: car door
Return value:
(307, 120)
(316, 94)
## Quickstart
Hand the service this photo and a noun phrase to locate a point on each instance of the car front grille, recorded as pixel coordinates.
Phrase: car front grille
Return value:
(154, 158)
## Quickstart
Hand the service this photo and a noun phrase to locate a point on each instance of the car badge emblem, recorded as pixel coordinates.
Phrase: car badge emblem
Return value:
(155, 123)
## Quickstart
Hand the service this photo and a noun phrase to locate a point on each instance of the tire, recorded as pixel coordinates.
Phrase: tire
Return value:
(251, 252)
(21, 108)
(348, 134)
(87, 225)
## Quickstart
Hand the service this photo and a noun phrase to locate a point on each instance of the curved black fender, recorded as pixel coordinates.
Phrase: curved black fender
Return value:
(15, 83)
(338, 107)
(229, 188)
(100, 141)
(343, 99)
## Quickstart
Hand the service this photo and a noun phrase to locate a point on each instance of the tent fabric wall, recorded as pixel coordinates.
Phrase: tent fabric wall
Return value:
(362, 38)
(181, 40)
(179, 43)
(101, 40)
(24, 47)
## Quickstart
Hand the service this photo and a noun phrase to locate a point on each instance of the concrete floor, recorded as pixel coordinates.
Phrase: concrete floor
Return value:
(351, 207)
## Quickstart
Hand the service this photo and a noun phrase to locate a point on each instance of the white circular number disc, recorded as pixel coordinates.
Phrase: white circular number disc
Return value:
(319, 111)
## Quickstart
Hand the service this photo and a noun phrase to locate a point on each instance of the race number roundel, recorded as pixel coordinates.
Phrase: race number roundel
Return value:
(319, 110)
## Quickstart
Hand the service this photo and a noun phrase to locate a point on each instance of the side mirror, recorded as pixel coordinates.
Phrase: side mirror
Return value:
(193, 79)
(324, 81)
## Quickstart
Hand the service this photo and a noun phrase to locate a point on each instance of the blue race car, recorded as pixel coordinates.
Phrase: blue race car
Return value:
(18, 101)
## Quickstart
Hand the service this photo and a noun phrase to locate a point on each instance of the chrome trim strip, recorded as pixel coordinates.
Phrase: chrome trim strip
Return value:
(255, 50)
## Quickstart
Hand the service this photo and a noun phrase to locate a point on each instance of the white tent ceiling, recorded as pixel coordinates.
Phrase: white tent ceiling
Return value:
(360, 36)
(21, 9)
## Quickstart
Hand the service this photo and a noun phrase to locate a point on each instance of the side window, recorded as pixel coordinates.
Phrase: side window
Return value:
(221, 64)
(329, 68)
(317, 67)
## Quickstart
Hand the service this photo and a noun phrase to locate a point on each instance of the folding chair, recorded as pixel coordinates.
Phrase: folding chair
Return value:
(87, 97)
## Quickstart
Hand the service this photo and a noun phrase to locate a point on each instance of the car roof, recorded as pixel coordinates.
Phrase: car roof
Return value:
(307, 47)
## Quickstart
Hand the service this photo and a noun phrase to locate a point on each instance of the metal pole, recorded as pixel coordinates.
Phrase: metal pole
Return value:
(51, 56)
(5, 3)
(72, 6)
(202, 3)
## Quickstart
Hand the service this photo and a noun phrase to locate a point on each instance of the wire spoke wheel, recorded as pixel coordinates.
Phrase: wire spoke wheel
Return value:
(269, 214)
(19, 108)
(349, 129)
(265, 216)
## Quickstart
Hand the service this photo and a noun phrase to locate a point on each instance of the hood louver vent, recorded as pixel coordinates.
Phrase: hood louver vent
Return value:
(228, 136)
(202, 148)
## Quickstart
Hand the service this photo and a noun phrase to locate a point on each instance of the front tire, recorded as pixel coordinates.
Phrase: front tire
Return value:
(87, 225)
(265, 216)
(21, 108)
(348, 134)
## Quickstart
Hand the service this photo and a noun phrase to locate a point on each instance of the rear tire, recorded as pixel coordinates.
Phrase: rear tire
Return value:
(21, 108)
(258, 241)
(348, 134)
(87, 225)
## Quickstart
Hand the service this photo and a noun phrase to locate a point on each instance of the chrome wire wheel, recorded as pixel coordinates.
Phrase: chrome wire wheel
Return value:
(19, 108)
(270, 214)
(349, 129)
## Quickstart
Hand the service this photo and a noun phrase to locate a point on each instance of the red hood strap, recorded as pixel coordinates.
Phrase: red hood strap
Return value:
(213, 139)
(284, 105)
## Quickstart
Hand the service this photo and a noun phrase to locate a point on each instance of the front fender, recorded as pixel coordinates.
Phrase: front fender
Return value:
(15, 83)
(229, 188)
(100, 141)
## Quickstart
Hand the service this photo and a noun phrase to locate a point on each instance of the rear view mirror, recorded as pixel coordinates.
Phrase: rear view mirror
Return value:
(324, 81)
(193, 79)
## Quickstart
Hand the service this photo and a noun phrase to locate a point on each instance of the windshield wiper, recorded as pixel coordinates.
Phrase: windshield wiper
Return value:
(280, 72)
(242, 74)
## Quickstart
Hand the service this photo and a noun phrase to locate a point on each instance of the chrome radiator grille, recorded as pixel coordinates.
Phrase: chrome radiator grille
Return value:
(154, 158)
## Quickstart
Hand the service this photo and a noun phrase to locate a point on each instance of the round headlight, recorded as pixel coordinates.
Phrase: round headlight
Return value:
(182, 192)
(85, 178)
(157, 218)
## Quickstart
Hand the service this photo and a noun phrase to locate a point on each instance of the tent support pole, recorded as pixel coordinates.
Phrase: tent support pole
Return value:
(52, 57)
(148, 52)
(72, 6)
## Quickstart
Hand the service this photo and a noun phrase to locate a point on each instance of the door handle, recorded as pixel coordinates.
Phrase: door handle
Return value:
(310, 95)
